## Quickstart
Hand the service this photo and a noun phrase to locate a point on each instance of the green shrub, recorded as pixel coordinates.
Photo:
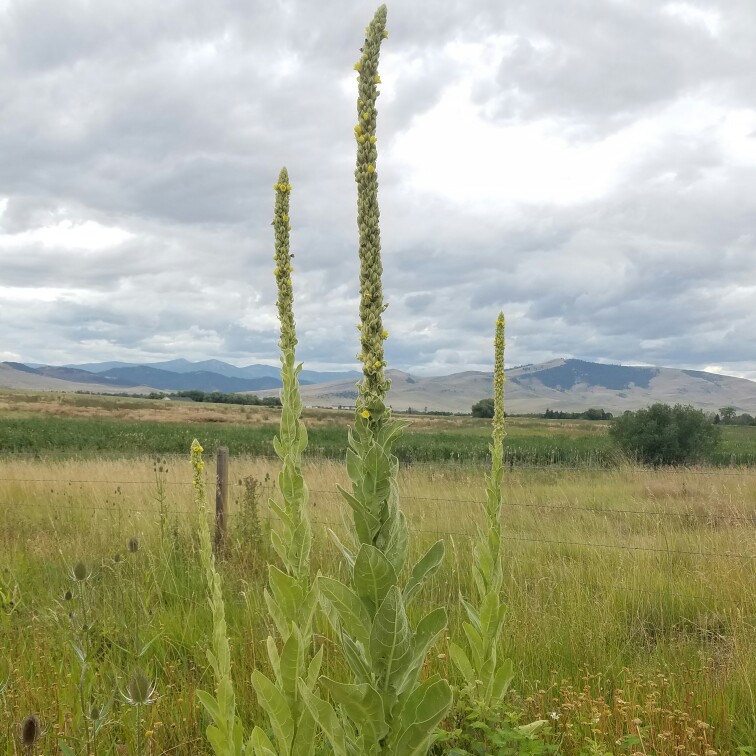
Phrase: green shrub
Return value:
(483, 408)
(666, 435)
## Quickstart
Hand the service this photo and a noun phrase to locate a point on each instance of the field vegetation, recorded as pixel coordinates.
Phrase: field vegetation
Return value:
(75, 424)
(628, 579)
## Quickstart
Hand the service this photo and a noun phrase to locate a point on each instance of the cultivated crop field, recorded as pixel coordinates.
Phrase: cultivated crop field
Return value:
(629, 592)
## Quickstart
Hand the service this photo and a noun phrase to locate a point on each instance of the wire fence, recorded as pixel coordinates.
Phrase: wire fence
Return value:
(744, 555)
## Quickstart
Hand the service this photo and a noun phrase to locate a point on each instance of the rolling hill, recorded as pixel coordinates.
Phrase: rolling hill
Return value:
(562, 384)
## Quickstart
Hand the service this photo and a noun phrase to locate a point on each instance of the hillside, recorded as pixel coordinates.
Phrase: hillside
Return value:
(568, 385)
(563, 384)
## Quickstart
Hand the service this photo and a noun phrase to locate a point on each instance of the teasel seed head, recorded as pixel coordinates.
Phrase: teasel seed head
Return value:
(67, 596)
(140, 690)
(80, 573)
(133, 545)
(30, 731)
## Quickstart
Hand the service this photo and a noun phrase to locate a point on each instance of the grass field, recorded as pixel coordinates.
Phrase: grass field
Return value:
(71, 423)
(631, 607)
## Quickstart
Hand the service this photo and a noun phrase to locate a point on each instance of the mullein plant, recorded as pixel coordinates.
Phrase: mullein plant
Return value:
(385, 709)
(291, 596)
(225, 734)
(488, 678)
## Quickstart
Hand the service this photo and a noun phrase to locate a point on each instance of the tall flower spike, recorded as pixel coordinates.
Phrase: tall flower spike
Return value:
(291, 597)
(387, 709)
(374, 385)
(482, 669)
(283, 262)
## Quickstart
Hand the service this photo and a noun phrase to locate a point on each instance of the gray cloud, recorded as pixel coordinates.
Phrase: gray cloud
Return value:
(170, 122)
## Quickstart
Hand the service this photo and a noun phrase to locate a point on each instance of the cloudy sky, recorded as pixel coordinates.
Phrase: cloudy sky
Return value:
(589, 167)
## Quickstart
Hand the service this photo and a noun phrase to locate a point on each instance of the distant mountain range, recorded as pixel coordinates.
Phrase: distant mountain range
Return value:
(173, 375)
(562, 384)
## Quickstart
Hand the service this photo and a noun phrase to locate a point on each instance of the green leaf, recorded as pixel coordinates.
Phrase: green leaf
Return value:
(373, 577)
(325, 715)
(274, 703)
(426, 633)
(423, 569)
(502, 680)
(363, 705)
(210, 704)
(286, 591)
(421, 712)
(313, 669)
(352, 614)
(66, 750)
(390, 641)
(348, 555)
(366, 523)
(476, 645)
(282, 624)
(304, 739)
(356, 659)
(396, 543)
(260, 744)
(462, 663)
(292, 662)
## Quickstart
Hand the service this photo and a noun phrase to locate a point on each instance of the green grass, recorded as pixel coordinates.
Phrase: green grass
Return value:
(646, 600)
(535, 442)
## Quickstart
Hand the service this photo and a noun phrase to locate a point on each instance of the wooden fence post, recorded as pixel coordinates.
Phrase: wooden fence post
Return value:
(221, 498)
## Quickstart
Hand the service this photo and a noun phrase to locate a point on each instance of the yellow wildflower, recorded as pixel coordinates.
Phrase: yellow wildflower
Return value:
(365, 414)
(373, 140)
(384, 334)
(371, 168)
(358, 65)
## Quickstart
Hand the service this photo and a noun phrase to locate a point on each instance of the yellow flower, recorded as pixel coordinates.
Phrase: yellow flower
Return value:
(149, 733)
(197, 448)
(361, 139)
(384, 334)
(385, 34)
(365, 414)
(377, 79)
(373, 140)
(377, 364)
(275, 186)
(358, 65)
(358, 128)
(371, 168)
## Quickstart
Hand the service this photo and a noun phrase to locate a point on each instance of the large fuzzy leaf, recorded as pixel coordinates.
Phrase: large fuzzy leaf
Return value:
(462, 662)
(421, 712)
(274, 703)
(292, 662)
(350, 610)
(286, 591)
(363, 705)
(426, 633)
(426, 566)
(373, 577)
(328, 721)
(260, 745)
(391, 644)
